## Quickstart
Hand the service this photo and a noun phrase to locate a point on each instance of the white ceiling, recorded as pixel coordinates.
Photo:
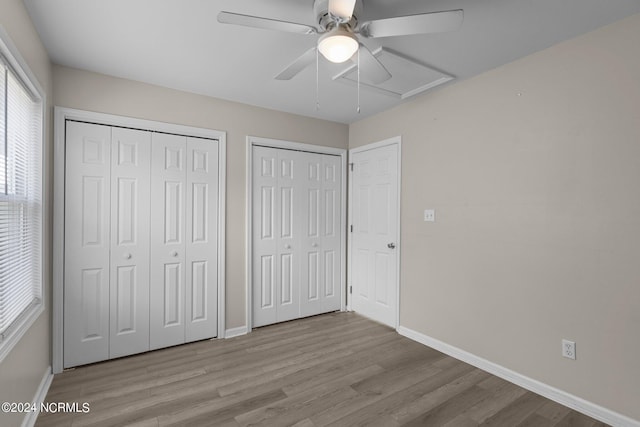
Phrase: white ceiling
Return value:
(179, 44)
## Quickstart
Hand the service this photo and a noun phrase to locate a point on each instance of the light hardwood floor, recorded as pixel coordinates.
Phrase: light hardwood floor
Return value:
(337, 369)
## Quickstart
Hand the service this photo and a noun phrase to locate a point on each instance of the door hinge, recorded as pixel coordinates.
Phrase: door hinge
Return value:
(351, 166)
(351, 228)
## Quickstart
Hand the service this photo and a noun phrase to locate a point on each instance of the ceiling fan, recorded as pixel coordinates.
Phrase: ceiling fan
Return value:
(339, 28)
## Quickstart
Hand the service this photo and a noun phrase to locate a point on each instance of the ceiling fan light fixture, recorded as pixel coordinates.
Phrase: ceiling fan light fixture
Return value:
(338, 45)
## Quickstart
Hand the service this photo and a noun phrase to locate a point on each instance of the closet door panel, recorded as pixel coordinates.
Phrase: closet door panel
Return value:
(87, 240)
(311, 216)
(289, 167)
(201, 291)
(265, 215)
(129, 274)
(331, 177)
(168, 257)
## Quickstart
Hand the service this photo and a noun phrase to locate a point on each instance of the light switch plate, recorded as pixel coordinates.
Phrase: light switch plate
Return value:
(429, 215)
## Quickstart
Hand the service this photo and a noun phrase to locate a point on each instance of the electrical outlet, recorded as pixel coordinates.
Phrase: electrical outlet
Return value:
(429, 215)
(569, 349)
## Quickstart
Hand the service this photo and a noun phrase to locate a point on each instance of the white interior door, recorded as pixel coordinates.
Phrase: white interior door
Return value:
(288, 232)
(129, 273)
(331, 226)
(184, 240)
(296, 234)
(310, 208)
(276, 240)
(87, 241)
(374, 239)
(266, 207)
(141, 241)
(201, 296)
(320, 218)
(168, 169)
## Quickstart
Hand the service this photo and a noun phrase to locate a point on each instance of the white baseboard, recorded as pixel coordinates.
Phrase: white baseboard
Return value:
(235, 332)
(41, 394)
(574, 402)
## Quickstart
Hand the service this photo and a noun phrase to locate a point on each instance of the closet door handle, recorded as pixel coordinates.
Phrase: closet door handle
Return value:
(315, 245)
(287, 246)
(127, 256)
(174, 254)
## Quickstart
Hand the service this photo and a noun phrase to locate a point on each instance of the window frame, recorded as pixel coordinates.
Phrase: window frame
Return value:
(23, 73)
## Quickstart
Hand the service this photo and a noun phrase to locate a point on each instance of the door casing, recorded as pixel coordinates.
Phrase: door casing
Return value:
(275, 143)
(391, 141)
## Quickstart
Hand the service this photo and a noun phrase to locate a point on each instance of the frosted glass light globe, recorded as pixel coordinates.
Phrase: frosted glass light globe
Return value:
(338, 45)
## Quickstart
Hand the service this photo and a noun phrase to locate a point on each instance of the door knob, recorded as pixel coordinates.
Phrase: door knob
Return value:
(174, 254)
(315, 245)
(287, 246)
(391, 245)
(127, 256)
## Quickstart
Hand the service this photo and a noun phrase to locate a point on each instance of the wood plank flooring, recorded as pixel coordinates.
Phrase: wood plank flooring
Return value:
(338, 369)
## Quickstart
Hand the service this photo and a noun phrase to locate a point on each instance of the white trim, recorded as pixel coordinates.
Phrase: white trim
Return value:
(344, 163)
(20, 66)
(290, 145)
(140, 124)
(379, 144)
(28, 78)
(574, 402)
(57, 325)
(311, 148)
(30, 418)
(236, 332)
(248, 236)
(396, 140)
(222, 227)
(61, 115)
(21, 328)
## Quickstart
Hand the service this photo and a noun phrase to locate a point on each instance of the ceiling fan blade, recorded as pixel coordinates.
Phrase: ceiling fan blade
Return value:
(370, 67)
(342, 9)
(264, 23)
(298, 65)
(424, 23)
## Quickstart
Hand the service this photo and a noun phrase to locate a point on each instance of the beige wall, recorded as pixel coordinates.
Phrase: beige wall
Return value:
(95, 92)
(533, 169)
(23, 368)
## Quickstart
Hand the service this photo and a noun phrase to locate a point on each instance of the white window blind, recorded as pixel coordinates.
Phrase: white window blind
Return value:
(20, 200)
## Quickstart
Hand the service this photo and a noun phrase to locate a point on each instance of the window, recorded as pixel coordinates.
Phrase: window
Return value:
(20, 200)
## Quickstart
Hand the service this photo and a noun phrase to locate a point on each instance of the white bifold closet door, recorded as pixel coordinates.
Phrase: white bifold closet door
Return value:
(296, 220)
(184, 250)
(129, 266)
(141, 224)
(106, 296)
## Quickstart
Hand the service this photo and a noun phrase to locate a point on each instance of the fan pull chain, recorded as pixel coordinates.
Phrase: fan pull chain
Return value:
(358, 109)
(317, 79)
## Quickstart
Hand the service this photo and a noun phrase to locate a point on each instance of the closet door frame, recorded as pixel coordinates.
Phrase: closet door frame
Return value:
(298, 146)
(61, 115)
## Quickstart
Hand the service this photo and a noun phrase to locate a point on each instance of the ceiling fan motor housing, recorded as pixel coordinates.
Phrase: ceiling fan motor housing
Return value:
(326, 22)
